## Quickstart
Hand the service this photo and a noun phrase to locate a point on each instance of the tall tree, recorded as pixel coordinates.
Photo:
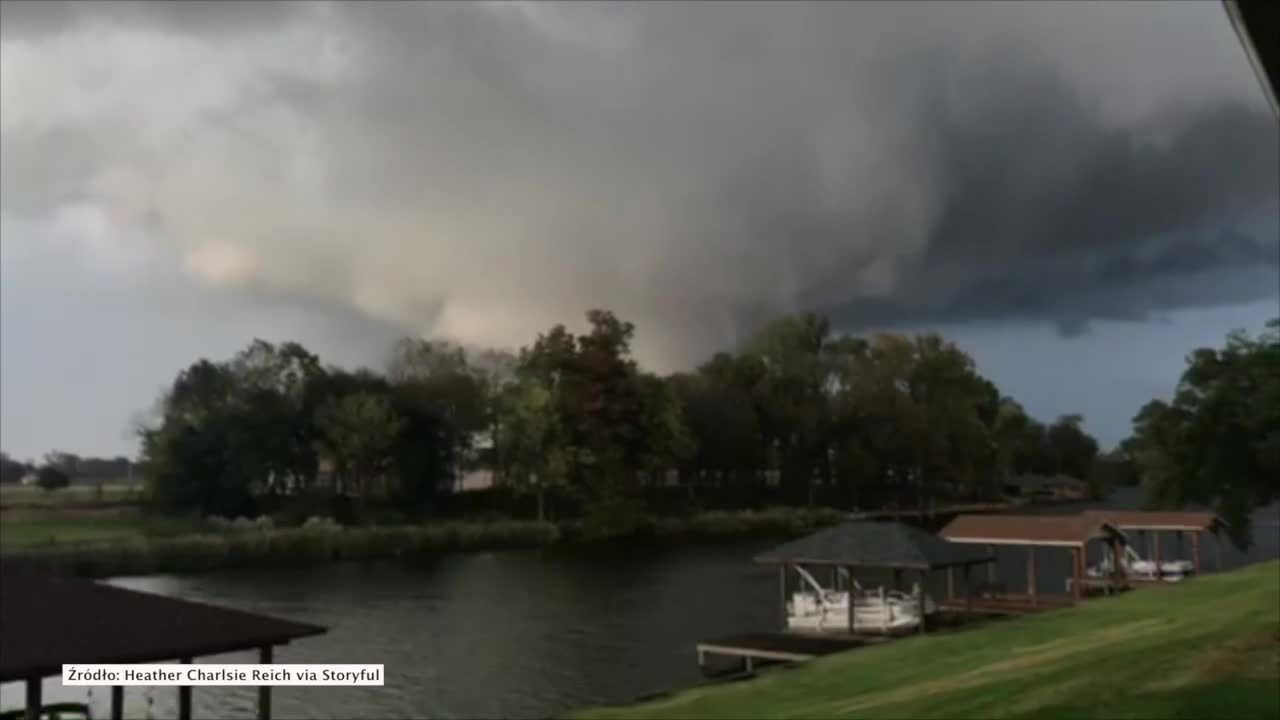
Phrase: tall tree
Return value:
(1073, 450)
(439, 373)
(792, 395)
(12, 471)
(1218, 442)
(534, 446)
(361, 430)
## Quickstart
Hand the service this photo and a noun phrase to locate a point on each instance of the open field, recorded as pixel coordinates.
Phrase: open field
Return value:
(31, 496)
(115, 541)
(1205, 648)
(33, 528)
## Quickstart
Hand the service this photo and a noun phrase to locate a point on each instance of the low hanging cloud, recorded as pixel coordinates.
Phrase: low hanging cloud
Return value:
(483, 171)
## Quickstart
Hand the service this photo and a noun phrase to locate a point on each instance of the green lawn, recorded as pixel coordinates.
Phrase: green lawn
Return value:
(30, 495)
(26, 529)
(1206, 648)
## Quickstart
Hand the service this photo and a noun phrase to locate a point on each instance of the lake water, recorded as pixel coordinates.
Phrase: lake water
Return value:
(522, 634)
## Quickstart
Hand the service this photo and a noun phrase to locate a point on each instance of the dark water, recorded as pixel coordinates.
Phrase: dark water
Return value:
(516, 634)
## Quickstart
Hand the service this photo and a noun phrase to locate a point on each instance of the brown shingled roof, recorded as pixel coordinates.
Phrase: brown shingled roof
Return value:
(45, 622)
(1140, 520)
(1027, 529)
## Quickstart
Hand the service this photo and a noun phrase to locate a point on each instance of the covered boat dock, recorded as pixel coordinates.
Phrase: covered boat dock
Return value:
(842, 551)
(1151, 523)
(858, 545)
(1069, 532)
(46, 622)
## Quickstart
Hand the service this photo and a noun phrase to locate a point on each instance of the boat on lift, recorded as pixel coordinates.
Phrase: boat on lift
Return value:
(1141, 569)
(817, 609)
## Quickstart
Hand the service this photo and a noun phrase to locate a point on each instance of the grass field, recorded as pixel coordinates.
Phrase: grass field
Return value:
(1209, 648)
(25, 529)
(12, 495)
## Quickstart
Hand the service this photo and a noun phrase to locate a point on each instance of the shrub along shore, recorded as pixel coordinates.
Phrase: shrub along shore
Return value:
(313, 544)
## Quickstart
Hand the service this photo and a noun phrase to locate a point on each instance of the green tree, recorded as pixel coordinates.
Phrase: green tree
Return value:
(722, 434)
(360, 430)
(439, 374)
(50, 477)
(1073, 450)
(68, 463)
(534, 446)
(1218, 441)
(12, 471)
(924, 414)
(792, 394)
(583, 398)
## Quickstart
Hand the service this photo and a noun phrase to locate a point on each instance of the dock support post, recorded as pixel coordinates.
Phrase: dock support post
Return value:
(1117, 569)
(852, 627)
(885, 613)
(968, 588)
(924, 583)
(951, 584)
(1195, 551)
(184, 697)
(264, 691)
(117, 702)
(747, 665)
(1155, 556)
(34, 686)
(1031, 574)
(702, 657)
(1075, 572)
(991, 566)
(782, 596)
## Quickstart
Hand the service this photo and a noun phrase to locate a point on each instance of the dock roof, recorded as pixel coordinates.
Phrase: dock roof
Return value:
(46, 622)
(874, 544)
(1188, 521)
(1053, 530)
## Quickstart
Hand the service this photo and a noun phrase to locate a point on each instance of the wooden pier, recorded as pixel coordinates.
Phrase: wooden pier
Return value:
(1008, 604)
(755, 648)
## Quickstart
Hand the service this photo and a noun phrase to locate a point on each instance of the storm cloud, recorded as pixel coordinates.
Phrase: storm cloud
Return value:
(483, 171)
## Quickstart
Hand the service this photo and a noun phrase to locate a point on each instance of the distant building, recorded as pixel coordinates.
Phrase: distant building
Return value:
(1046, 487)
(478, 479)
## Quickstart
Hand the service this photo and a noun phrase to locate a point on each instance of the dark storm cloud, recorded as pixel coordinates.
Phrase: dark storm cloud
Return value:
(483, 170)
(1050, 213)
(35, 18)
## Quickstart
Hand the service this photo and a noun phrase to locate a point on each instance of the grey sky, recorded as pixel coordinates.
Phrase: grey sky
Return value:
(1086, 187)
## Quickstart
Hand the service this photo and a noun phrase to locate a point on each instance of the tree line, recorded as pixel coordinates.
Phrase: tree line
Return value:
(58, 468)
(1217, 441)
(797, 414)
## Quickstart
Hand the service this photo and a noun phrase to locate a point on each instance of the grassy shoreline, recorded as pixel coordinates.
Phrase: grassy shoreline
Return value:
(1209, 647)
(138, 554)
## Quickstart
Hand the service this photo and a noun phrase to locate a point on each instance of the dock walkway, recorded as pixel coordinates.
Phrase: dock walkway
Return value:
(775, 647)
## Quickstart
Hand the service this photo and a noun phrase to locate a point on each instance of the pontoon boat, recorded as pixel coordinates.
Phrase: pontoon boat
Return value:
(818, 609)
(1136, 567)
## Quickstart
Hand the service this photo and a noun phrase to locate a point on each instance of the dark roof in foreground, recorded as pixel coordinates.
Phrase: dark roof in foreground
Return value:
(45, 622)
(874, 544)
